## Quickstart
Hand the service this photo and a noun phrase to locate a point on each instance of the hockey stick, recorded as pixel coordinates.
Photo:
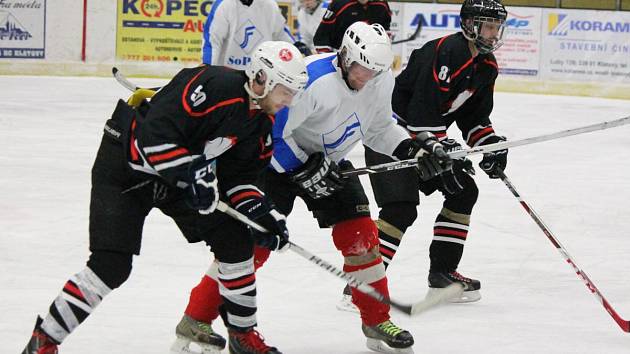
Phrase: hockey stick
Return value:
(412, 37)
(128, 84)
(625, 325)
(396, 165)
(449, 292)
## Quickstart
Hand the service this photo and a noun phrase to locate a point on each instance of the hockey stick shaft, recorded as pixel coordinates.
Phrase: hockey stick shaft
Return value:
(412, 37)
(352, 281)
(396, 165)
(625, 325)
(128, 84)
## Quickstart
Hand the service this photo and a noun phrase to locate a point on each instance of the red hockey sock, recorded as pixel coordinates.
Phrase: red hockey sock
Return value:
(378, 312)
(204, 301)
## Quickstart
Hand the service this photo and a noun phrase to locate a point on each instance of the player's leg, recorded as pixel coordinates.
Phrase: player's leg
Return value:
(116, 222)
(233, 248)
(449, 236)
(396, 193)
(356, 236)
(205, 300)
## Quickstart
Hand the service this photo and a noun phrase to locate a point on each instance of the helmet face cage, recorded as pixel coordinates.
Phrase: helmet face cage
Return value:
(368, 46)
(477, 13)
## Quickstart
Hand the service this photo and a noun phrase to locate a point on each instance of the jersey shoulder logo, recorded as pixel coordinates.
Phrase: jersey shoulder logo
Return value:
(198, 96)
(328, 15)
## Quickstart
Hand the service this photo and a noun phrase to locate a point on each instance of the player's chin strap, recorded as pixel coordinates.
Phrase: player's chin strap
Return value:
(396, 165)
(452, 291)
(625, 325)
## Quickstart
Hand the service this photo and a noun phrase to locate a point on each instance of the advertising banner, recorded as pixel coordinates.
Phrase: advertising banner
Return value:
(161, 30)
(520, 53)
(586, 45)
(436, 20)
(23, 29)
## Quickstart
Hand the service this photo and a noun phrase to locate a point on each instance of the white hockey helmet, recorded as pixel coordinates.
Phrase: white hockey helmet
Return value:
(281, 63)
(368, 45)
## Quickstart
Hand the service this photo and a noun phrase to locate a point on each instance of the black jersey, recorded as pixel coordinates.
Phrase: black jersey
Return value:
(341, 14)
(203, 111)
(442, 84)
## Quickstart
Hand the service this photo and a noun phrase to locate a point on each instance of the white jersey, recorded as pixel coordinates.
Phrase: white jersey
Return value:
(233, 30)
(308, 23)
(331, 118)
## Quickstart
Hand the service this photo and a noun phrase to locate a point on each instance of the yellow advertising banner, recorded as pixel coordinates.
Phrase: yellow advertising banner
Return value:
(161, 30)
(166, 30)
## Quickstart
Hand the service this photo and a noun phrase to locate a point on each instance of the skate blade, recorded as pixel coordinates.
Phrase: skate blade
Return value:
(182, 346)
(345, 304)
(381, 347)
(466, 296)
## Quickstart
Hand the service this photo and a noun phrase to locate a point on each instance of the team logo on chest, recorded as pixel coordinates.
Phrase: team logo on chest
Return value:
(343, 137)
(247, 36)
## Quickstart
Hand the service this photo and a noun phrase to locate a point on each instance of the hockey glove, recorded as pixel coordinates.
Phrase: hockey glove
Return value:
(493, 161)
(203, 186)
(261, 211)
(425, 147)
(462, 163)
(319, 177)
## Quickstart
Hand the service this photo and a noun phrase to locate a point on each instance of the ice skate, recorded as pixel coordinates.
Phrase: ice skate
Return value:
(249, 342)
(386, 337)
(440, 280)
(40, 342)
(200, 334)
(345, 304)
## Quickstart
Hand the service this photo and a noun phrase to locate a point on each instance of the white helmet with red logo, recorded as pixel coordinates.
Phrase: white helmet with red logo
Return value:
(281, 63)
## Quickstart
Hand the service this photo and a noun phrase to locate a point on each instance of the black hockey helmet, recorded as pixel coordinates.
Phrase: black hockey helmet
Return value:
(474, 14)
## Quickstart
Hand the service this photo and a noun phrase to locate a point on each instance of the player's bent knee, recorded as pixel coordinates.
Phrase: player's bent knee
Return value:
(355, 236)
(113, 268)
(401, 215)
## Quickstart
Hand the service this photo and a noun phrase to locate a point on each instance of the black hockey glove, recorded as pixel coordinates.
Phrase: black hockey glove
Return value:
(449, 178)
(493, 161)
(202, 186)
(319, 177)
(261, 211)
(303, 48)
(425, 147)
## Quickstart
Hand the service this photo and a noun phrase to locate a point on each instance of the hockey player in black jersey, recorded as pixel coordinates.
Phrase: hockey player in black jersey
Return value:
(341, 14)
(204, 136)
(449, 80)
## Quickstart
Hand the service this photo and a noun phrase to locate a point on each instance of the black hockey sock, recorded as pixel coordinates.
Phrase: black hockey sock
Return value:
(449, 235)
(78, 298)
(394, 219)
(237, 286)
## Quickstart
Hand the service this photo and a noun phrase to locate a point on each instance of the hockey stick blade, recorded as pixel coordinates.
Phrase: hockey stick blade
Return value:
(625, 325)
(412, 37)
(396, 165)
(410, 310)
(128, 84)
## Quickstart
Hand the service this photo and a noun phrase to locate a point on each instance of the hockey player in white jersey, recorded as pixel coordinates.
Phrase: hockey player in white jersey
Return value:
(347, 100)
(309, 16)
(235, 27)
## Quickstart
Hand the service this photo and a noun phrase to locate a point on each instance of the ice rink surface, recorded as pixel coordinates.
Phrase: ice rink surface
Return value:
(532, 301)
